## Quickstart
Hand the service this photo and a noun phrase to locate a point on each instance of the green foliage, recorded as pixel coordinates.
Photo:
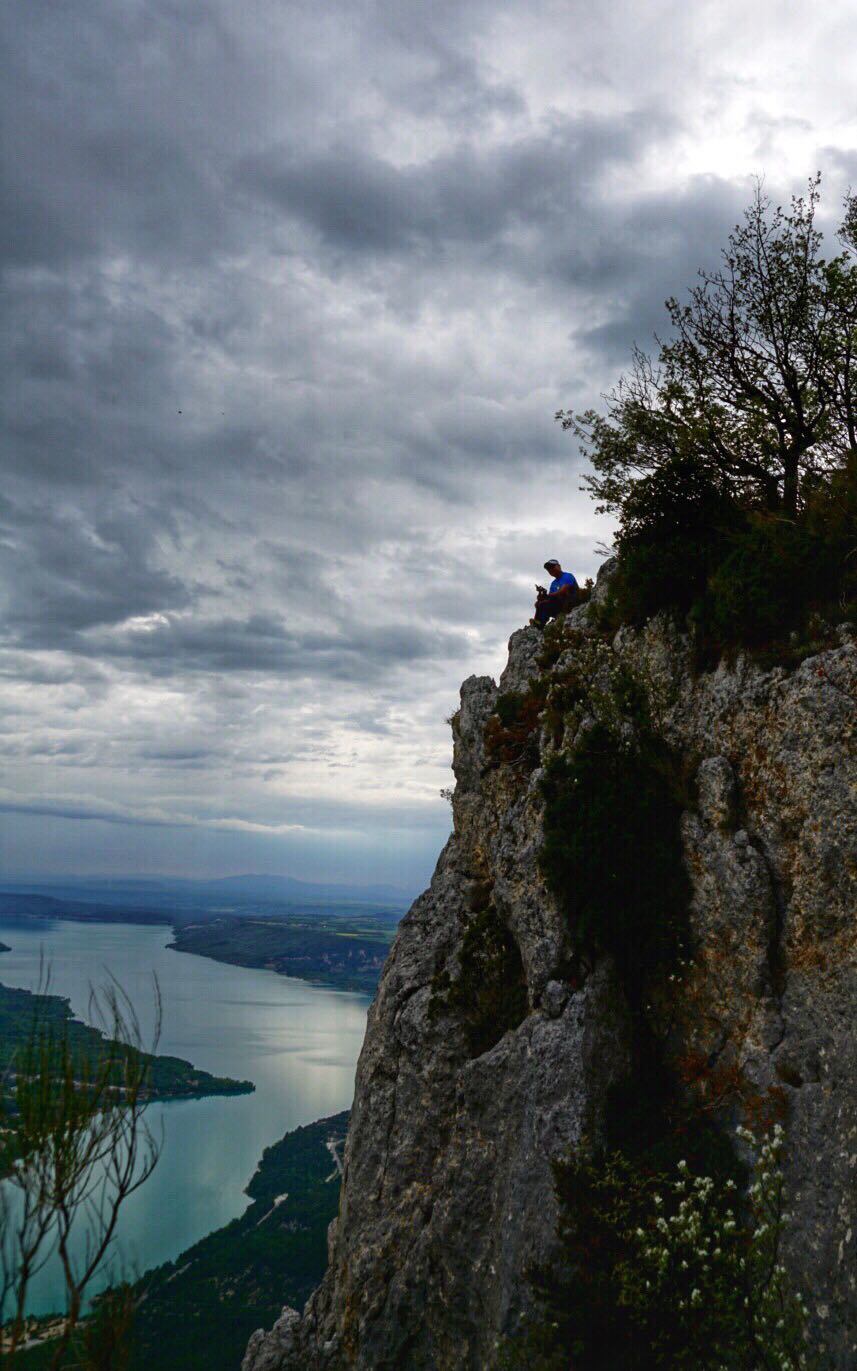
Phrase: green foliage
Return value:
(103, 1341)
(489, 993)
(732, 459)
(756, 377)
(508, 707)
(512, 731)
(197, 1312)
(774, 573)
(744, 577)
(667, 1270)
(673, 531)
(612, 855)
(75, 1148)
(741, 577)
(779, 573)
(346, 953)
(28, 1019)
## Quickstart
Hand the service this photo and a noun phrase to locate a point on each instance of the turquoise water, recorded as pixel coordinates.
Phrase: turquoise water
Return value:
(298, 1043)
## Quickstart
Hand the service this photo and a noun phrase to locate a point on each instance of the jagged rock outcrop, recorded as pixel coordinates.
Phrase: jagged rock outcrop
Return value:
(448, 1196)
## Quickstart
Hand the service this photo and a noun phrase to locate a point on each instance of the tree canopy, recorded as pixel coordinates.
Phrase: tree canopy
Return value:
(757, 384)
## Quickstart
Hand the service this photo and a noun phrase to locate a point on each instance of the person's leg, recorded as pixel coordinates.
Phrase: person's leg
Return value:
(553, 605)
(542, 611)
(562, 602)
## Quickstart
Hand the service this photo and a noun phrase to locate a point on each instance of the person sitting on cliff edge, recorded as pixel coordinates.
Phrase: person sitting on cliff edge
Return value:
(561, 597)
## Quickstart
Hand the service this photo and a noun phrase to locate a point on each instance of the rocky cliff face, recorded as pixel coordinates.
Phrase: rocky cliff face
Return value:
(448, 1195)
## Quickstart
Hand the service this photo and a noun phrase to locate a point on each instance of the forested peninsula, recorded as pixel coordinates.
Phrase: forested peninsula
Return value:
(24, 1014)
(344, 954)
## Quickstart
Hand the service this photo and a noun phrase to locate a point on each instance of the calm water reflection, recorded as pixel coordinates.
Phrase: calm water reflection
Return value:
(298, 1043)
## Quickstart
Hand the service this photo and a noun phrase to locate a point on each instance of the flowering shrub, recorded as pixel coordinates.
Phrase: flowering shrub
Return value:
(705, 1274)
(668, 1271)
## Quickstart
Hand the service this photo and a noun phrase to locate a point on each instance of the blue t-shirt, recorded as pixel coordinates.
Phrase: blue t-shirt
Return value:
(565, 578)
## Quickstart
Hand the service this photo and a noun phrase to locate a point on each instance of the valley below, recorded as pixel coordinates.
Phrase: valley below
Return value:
(297, 1042)
(306, 933)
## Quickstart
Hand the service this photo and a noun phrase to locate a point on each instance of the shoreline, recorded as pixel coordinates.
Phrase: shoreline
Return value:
(343, 949)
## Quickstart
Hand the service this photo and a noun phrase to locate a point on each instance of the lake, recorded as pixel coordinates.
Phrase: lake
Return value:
(297, 1042)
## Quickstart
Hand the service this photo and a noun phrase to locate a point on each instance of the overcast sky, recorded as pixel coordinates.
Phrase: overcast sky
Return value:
(291, 294)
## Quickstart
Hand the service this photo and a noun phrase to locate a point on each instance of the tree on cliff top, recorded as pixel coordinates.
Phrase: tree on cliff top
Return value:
(758, 384)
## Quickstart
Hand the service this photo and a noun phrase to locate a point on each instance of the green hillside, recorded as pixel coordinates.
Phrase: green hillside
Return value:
(169, 1077)
(197, 1312)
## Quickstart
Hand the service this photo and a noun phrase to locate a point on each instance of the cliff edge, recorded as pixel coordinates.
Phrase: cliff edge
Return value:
(448, 1198)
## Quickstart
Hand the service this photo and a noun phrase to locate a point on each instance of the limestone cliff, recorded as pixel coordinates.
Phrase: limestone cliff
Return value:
(448, 1196)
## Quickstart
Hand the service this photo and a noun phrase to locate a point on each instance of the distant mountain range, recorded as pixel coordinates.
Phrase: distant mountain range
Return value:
(336, 935)
(172, 893)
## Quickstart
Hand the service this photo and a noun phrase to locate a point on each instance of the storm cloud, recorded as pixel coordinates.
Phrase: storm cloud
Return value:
(290, 296)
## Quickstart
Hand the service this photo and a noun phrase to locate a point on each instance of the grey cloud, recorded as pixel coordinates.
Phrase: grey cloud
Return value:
(97, 105)
(122, 122)
(106, 812)
(95, 810)
(65, 575)
(50, 669)
(474, 195)
(184, 757)
(80, 809)
(89, 376)
(291, 294)
(654, 251)
(260, 643)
